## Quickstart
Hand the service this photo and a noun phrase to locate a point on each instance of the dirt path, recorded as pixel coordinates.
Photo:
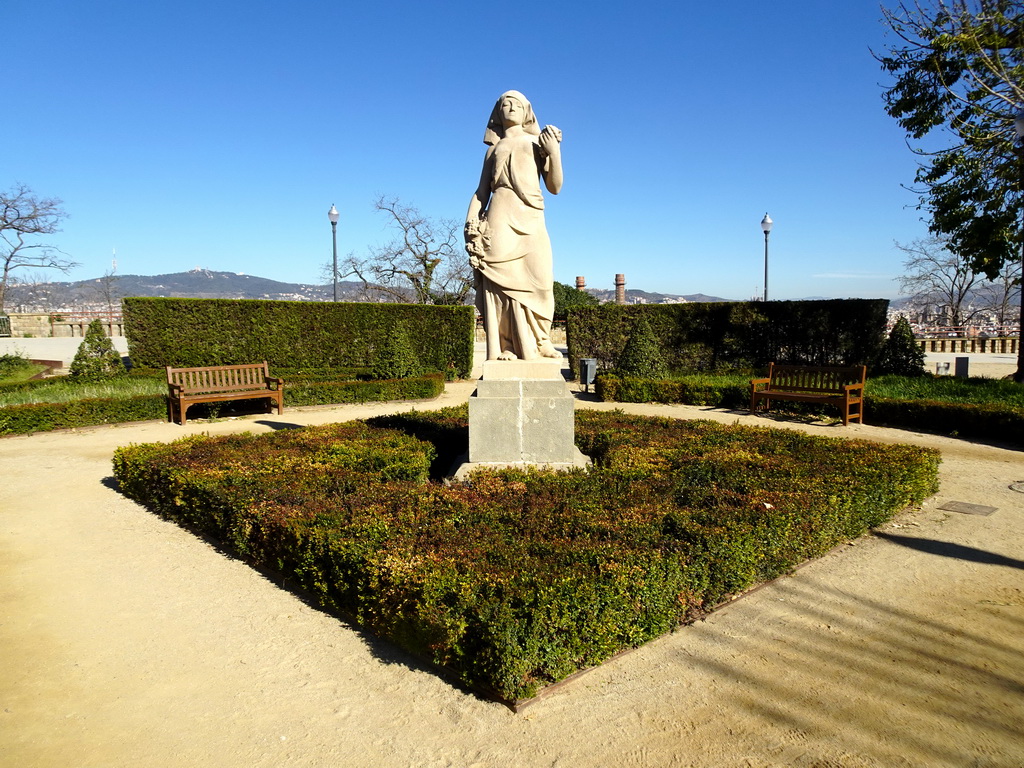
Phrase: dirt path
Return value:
(126, 641)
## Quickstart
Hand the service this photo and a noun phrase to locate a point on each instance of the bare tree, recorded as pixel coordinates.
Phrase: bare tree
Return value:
(1002, 296)
(24, 216)
(936, 275)
(424, 264)
(107, 290)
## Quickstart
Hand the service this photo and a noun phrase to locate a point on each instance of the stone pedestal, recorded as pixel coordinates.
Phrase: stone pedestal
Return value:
(521, 415)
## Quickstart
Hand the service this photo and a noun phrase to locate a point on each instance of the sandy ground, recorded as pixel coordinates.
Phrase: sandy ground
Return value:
(126, 641)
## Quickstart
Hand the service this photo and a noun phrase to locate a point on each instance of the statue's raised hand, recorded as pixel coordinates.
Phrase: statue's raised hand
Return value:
(549, 139)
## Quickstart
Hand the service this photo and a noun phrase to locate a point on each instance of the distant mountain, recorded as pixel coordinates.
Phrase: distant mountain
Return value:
(197, 283)
(634, 296)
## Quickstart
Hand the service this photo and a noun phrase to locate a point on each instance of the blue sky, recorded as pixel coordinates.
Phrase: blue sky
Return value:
(219, 133)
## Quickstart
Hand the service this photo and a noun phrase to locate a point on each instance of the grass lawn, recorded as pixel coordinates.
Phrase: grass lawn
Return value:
(948, 389)
(64, 389)
(15, 369)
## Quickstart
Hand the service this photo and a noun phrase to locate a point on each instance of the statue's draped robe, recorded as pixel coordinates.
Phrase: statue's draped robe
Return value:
(514, 290)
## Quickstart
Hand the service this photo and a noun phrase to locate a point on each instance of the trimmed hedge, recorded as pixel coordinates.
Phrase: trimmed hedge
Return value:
(718, 392)
(292, 334)
(986, 421)
(516, 579)
(42, 417)
(732, 335)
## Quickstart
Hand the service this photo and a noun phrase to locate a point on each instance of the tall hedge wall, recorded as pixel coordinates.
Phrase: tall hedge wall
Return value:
(730, 335)
(291, 334)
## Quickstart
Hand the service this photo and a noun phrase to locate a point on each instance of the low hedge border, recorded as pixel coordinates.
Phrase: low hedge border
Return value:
(984, 422)
(516, 579)
(42, 417)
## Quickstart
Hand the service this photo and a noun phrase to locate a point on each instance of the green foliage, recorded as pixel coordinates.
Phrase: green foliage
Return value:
(724, 336)
(96, 357)
(394, 359)
(15, 368)
(516, 579)
(641, 356)
(567, 297)
(958, 67)
(987, 409)
(41, 417)
(901, 354)
(949, 389)
(714, 390)
(292, 334)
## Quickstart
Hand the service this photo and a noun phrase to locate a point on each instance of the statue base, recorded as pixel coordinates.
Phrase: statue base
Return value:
(520, 415)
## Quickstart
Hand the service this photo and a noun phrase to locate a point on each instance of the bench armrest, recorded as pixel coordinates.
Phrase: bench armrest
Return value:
(268, 380)
(175, 389)
(755, 382)
(853, 387)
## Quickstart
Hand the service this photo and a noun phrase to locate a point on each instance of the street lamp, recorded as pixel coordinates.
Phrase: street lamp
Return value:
(333, 216)
(766, 227)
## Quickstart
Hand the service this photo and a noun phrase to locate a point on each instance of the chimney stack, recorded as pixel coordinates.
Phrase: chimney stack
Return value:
(620, 289)
(581, 282)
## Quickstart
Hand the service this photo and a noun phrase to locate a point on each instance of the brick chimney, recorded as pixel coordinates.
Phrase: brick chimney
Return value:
(620, 289)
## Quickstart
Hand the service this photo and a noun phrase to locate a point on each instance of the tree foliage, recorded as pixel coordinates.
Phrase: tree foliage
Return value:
(567, 297)
(424, 264)
(96, 357)
(959, 68)
(25, 216)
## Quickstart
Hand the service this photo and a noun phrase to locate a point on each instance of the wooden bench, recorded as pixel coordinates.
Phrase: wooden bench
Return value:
(216, 383)
(837, 386)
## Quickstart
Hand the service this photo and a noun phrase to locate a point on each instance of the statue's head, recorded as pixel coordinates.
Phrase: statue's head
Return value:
(496, 124)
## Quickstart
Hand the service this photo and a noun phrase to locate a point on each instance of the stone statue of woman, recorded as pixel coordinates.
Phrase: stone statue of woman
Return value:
(507, 241)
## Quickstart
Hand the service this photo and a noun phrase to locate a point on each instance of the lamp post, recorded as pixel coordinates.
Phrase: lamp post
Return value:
(333, 216)
(1018, 127)
(766, 227)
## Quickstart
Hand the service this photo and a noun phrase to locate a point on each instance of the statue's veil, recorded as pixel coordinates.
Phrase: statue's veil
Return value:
(496, 131)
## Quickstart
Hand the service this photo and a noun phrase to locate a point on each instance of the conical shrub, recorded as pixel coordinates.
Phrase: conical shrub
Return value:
(641, 356)
(901, 354)
(96, 357)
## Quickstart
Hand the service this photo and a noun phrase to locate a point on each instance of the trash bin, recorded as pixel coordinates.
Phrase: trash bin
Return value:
(588, 371)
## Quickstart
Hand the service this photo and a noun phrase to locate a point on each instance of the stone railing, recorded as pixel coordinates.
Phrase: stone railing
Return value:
(57, 325)
(1002, 345)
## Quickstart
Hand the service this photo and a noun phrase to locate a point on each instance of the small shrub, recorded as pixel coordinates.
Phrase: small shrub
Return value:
(642, 355)
(96, 357)
(394, 358)
(901, 354)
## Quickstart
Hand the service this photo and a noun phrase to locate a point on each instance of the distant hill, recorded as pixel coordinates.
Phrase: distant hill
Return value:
(196, 283)
(634, 296)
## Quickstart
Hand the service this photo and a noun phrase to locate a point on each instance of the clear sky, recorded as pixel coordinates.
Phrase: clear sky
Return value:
(218, 133)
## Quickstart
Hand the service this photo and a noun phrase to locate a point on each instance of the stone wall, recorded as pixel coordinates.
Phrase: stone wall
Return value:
(44, 326)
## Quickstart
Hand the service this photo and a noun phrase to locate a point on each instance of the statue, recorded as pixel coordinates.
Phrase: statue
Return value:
(506, 239)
